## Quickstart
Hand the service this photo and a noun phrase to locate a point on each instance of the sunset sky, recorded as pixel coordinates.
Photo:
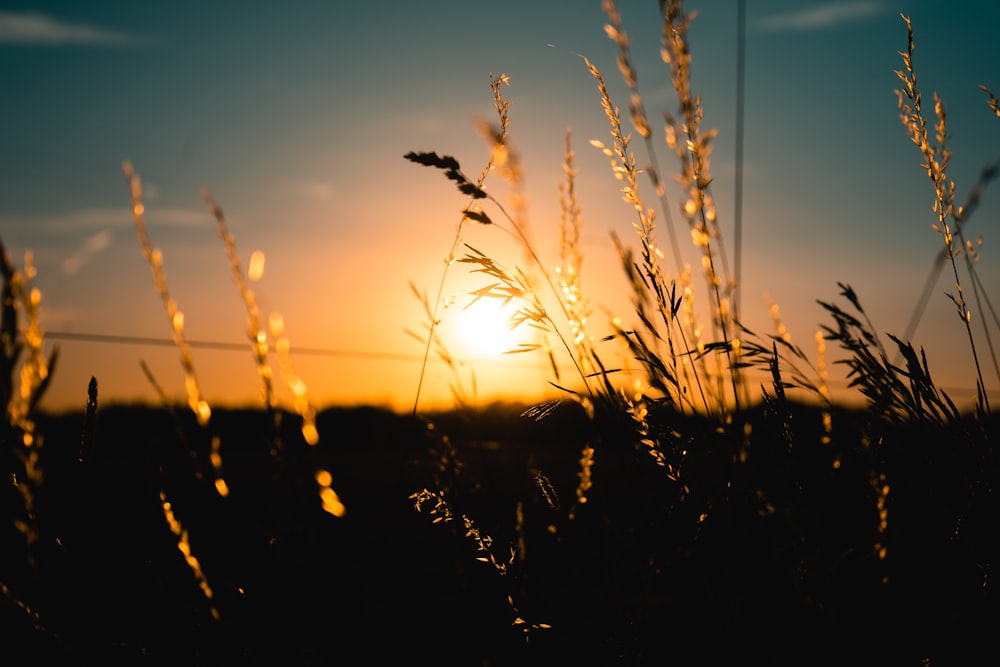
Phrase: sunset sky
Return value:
(296, 116)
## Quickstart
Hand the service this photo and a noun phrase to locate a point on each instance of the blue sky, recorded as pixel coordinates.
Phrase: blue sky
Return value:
(297, 115)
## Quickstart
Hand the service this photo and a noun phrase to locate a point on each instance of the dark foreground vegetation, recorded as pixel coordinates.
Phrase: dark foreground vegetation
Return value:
(773, 547)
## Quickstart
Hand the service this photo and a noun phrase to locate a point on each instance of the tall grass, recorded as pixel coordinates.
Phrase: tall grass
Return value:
(198, 405)
(701, 372)
(25, 378)
(936, 156)
(686, 365)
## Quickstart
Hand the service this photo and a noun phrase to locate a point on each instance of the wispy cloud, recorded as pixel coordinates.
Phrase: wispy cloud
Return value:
(110, 218)
(820, 17)
(90, 247)
(316, 190)
(32, 28)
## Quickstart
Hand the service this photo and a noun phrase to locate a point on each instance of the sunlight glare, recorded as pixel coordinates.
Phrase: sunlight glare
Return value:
(483, 329)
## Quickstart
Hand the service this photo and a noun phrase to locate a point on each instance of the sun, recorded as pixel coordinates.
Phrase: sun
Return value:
(483, 329)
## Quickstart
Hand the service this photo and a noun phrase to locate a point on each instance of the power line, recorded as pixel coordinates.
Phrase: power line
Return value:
(741, 65)
(242, 347)
(327, 352)
(217, 345)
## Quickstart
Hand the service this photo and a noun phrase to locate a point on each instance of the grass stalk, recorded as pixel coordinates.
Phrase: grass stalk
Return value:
(511, 283)
(198, 405)
(470, 212)
(694, 152)
(937, 155)
(255, 332)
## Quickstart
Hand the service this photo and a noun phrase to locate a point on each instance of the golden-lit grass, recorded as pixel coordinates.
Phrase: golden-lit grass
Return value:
(184, 546)
(26, 375)
(437, 506)
(331, 501)
(690, 368)
(255, 333)
(937, 155)
(20, 397)
(154, 257)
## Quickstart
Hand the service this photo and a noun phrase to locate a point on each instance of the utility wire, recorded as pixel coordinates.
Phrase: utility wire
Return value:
(738, 188)
(217, 345)
(313, 351)
(241, 347)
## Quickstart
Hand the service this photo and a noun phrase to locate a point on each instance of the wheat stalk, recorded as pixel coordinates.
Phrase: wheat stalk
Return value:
(471, 212)
(184, 546)
(694, 152)
(511, 284)
(198, 405)
(651, 278)
(21, 398)
(300, 392)
(937, 155)
(255, 333)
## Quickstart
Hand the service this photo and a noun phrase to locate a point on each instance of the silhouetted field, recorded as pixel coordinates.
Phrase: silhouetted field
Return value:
(762, 552)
